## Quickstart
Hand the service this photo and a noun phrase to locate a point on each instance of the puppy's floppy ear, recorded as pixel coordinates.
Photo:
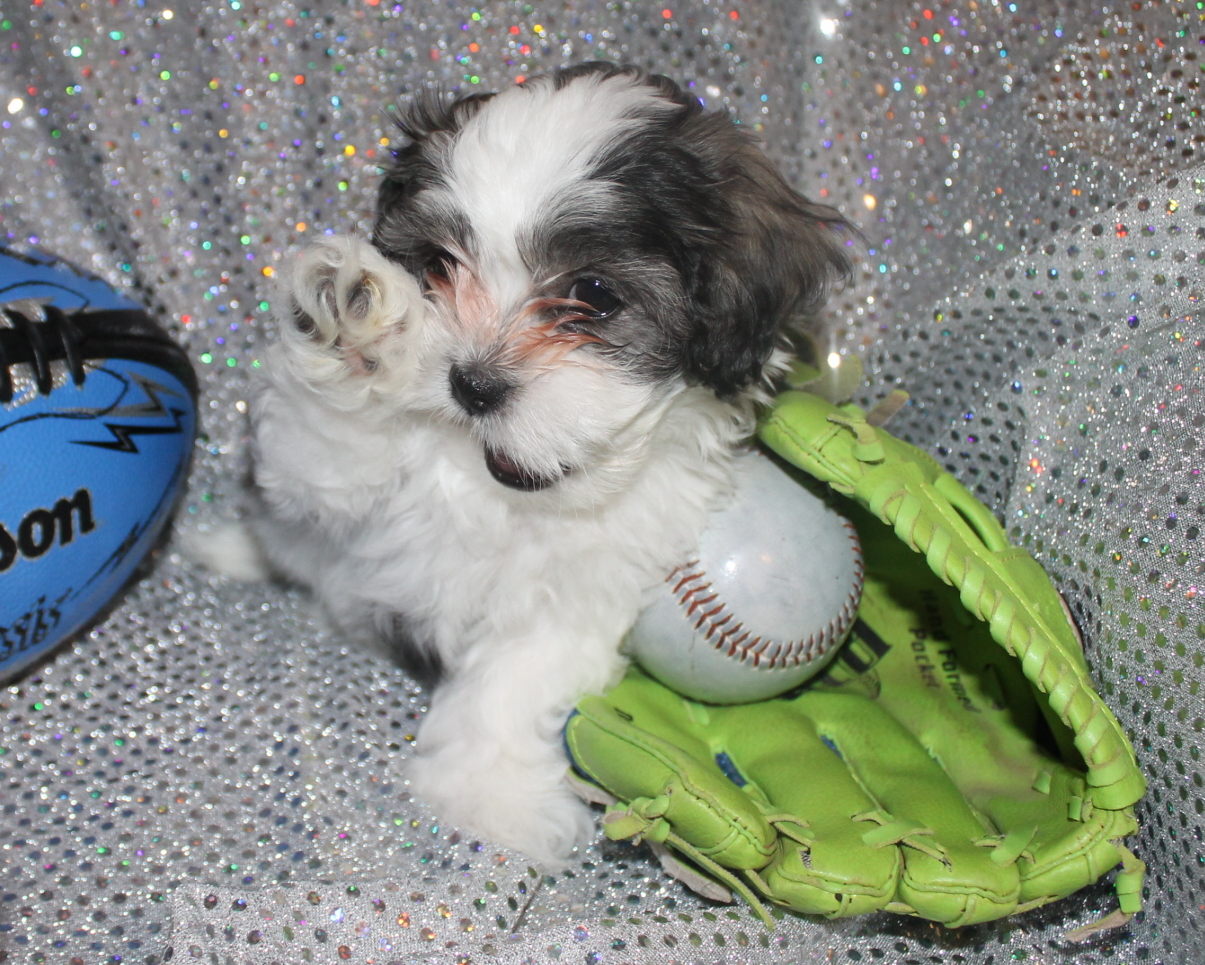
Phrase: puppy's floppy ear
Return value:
(431, 118)
(772, 259)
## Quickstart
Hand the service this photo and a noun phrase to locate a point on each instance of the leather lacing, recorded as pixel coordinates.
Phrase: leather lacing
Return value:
(38, 342)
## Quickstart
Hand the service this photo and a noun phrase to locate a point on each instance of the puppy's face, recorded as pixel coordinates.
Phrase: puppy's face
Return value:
(591, 243)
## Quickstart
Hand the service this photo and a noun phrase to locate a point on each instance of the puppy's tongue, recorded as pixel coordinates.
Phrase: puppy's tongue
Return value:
(510, 473)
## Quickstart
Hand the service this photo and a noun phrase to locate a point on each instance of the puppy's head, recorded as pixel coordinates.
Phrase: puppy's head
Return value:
(593, 242)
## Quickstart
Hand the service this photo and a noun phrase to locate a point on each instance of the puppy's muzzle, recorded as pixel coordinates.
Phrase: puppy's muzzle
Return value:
(477, 390)
(480, 391)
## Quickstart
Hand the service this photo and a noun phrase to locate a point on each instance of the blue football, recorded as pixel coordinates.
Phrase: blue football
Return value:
(97, 421)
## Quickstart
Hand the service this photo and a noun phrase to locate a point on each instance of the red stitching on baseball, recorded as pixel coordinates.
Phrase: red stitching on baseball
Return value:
(695, 604)
(736, 639)
(727, 631)
(686, 579)
(716, 624)
(706, 617)
(737, 643)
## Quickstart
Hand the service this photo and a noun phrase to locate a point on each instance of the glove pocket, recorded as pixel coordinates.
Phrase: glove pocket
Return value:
(946, 869)
(784, 758)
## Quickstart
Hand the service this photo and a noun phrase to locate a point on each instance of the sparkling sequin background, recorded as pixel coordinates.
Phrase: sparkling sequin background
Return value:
(212, 775)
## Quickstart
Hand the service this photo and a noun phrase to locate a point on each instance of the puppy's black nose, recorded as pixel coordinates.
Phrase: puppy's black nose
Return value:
(477, 389)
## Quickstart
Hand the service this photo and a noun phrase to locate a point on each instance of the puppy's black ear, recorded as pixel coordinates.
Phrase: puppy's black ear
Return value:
(770, 260)
(431, 117)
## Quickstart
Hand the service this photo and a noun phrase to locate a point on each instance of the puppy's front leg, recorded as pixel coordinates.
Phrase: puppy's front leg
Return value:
(336, 383)
(490, 754)
(348, 321)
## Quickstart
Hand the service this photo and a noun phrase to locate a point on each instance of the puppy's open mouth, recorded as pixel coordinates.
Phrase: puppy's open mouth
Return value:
(510, 473)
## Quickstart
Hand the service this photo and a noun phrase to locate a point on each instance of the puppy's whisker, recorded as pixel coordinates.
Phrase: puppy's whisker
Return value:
(439, 286)
(469, 304)
(548, 343)
(565, 309)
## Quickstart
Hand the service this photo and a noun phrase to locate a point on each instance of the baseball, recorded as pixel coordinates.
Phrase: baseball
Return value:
(764, 604)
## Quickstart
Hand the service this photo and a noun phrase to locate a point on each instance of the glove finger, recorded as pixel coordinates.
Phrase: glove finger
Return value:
(822, 865)
(1058, 839)
(948, 874)
(668, 782)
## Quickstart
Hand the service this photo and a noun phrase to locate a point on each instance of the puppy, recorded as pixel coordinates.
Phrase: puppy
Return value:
(496, 427)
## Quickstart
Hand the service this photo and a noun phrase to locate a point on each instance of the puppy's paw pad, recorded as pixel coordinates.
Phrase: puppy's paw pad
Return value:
(348, 309)
(361, 298)
(313, 305)
(303, 322)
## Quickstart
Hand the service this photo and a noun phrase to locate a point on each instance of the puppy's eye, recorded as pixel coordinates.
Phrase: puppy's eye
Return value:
(597, 295)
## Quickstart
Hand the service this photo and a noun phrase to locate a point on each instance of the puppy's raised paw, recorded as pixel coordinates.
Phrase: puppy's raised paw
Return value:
(349, 314)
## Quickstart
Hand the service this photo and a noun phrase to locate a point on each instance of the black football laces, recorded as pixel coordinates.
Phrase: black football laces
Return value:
(37, 343)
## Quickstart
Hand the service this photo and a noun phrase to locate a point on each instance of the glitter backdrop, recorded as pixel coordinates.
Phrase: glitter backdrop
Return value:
(212, 775)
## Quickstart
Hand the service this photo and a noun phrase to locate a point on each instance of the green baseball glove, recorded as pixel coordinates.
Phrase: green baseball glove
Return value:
(954, 763)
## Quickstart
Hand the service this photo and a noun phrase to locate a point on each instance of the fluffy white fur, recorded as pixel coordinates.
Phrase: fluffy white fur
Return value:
(382, 504)
(380, 488)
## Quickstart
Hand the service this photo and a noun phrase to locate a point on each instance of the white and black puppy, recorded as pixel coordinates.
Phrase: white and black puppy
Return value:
(496, 427)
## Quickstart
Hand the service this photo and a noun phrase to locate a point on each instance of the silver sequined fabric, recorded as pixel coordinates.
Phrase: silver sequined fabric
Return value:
(212, 775)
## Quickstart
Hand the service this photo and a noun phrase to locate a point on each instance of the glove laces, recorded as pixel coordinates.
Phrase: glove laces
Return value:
(643, 819)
